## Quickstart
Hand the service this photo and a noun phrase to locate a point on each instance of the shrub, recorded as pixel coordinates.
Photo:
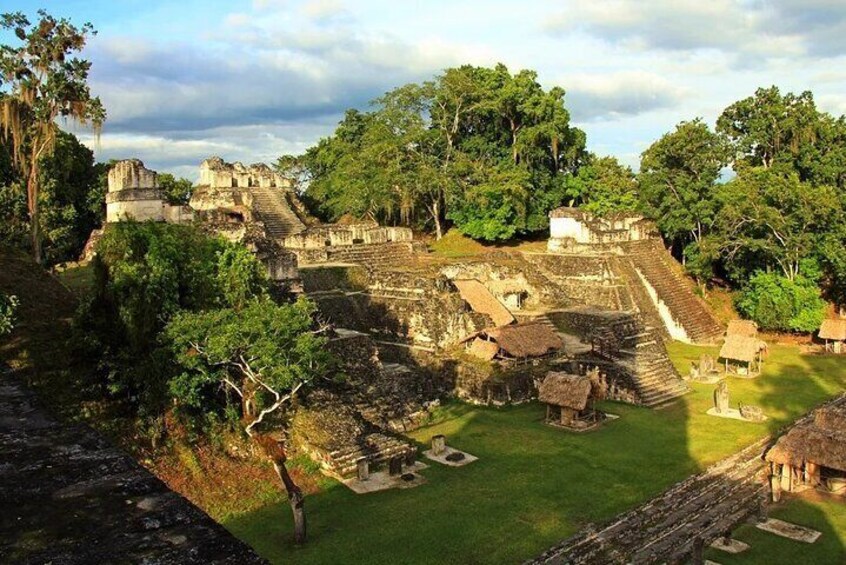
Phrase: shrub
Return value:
(778, 303)
(8, 305)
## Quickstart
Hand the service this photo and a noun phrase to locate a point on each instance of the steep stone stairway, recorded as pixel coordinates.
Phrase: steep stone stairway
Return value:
(640, 351)
(670, 527)
(651, 260)
(273, 209)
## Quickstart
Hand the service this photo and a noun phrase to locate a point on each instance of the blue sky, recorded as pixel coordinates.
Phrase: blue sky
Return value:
(250, 80)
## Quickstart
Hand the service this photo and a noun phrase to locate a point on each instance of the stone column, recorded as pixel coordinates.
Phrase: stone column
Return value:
(438, 444)
(362, 465)
(395, 466)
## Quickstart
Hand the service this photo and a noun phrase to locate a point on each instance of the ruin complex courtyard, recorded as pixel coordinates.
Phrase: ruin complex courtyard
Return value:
(320, 281)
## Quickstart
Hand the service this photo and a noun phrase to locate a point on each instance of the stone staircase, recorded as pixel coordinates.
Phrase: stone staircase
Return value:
(375, 255)
(272, 207)
(674, 526)
(639, 350)
(634, 295)
(658, 267)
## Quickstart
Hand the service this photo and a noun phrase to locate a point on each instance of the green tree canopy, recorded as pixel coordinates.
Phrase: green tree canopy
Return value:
(769, 218)
(603, 186)
(177, 190)
(40, 82)
(445, 150)
(678, 175)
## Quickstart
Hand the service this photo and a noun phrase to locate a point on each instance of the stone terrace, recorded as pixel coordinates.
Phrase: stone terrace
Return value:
(69, 497)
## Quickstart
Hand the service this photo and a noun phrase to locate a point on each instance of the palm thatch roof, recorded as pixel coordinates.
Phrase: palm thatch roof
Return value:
(528, 339)
(482, 349)
(820, 440)
(746, 328)
(742, 348)
(481, 300)
(565, 390)
(833, 329)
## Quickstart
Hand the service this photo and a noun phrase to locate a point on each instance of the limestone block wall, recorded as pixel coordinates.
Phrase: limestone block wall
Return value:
(217, 173)
(178, 214)
(131, 174)
(333, 235)
(135, 204)
(571, 229)
(211, 198)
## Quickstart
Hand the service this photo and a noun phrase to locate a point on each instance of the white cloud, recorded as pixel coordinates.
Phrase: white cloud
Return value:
(625, 93)
(750, 30)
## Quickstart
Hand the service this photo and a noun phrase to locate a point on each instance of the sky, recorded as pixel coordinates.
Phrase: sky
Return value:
(254, 79)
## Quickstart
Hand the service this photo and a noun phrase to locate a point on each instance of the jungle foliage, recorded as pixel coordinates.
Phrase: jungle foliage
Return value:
(147, 273)
(485, 149)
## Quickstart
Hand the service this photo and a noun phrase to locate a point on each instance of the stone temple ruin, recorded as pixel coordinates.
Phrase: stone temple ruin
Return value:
(412, 327)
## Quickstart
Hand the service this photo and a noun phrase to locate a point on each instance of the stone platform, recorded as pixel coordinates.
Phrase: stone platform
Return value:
(68, 496)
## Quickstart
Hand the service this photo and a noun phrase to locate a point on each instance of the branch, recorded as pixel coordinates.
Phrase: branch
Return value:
(279, 401)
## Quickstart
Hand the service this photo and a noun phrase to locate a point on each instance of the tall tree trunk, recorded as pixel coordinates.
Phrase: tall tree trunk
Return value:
(32, 204)
(436, 213)
(295, 498)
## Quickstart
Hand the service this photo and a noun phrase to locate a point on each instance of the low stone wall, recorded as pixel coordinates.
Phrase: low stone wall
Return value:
(321, 237)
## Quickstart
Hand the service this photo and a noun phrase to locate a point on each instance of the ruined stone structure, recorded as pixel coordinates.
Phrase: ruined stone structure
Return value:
(572, 229)
(134, 194)
(85, 501)
(361, 418)
(619, 263)
(632, 356)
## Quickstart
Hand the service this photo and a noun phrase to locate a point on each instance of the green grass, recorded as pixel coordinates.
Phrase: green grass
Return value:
(535, 485)
(79, 279)
(455, 245)
(826, 516)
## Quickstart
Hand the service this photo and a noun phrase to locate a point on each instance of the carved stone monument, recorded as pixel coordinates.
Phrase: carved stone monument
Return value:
(438, 444)
(721, 398)
(363, 468)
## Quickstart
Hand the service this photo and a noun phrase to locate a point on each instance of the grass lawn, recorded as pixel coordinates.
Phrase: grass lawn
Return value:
(826, 516)
(535, 485)
(455, 245)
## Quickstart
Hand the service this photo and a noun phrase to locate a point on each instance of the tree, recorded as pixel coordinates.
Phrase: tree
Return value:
(71, 199)
(145, 274)
(264, 354)
(678, 175)
(775, 302)
(435, 151)
(771, 218)
(177, 190)
(603, 186)
(768, 128)
(40, 84)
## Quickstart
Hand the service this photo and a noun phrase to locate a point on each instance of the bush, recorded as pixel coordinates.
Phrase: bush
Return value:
(8, 305)
(778, 303)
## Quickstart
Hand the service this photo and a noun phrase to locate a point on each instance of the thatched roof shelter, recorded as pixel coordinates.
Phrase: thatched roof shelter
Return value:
(833, 329)
(483, 349)
(481, 300)
(565, 390)
(520, 341)
(525, 340)
(746, 328)
(820, 440)
(742, 348)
